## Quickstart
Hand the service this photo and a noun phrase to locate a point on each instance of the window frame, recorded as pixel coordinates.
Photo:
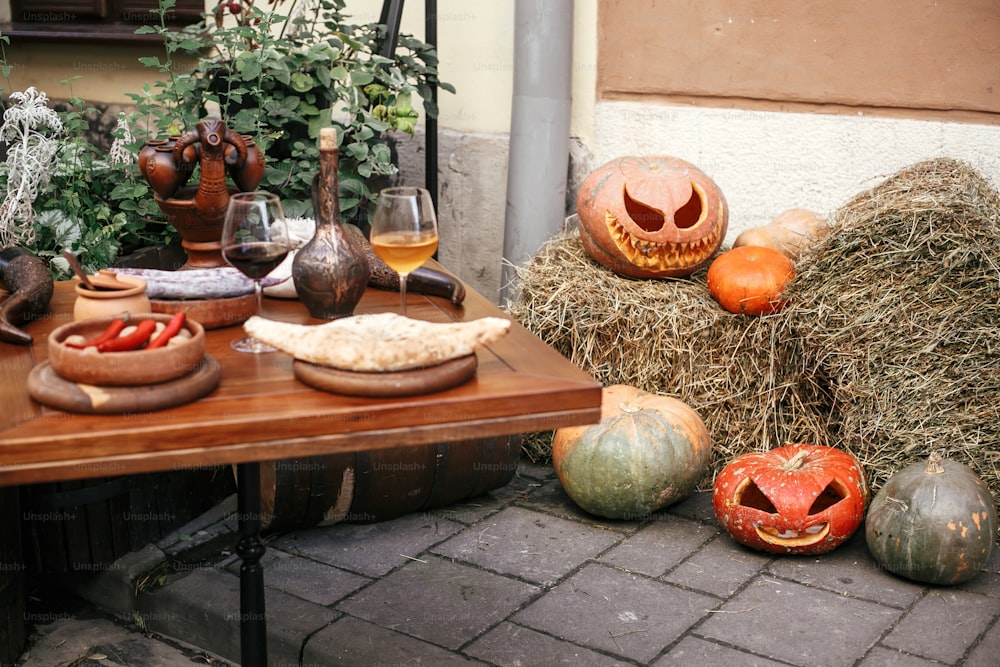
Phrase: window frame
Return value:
(83, 21)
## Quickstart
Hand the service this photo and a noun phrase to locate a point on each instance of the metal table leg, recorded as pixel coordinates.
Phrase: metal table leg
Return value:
(253, 626)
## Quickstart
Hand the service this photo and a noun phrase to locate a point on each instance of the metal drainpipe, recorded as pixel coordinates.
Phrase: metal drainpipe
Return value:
(539, 131)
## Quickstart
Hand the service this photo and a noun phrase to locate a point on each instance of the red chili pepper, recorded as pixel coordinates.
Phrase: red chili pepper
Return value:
(133, 341)
(173, 326)
(111, 332)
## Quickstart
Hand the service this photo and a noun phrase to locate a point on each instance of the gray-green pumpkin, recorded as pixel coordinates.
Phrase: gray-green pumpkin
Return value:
(647, 452)
(934, 522)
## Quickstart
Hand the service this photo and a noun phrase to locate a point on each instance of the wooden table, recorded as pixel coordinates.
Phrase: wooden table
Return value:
(260, 412)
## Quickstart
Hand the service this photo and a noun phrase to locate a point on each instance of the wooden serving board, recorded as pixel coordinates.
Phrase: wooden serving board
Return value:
(390, 384)
(48, 387)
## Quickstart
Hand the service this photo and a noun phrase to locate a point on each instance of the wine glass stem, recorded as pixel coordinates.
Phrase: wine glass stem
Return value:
(402, 292)
(258, 292)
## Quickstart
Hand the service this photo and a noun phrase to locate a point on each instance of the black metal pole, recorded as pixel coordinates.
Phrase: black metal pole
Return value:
(431, 139)
(391, 17)
(253, 624)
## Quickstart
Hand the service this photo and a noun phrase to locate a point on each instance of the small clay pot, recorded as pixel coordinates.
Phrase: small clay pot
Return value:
(111, 303)
(163, 174)
(247, 176)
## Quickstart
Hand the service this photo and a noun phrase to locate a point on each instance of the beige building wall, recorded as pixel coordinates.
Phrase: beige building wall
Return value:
(687, 79)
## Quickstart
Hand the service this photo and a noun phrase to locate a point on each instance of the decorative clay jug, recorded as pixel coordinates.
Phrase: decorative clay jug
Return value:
(197, 211)
(330, 271)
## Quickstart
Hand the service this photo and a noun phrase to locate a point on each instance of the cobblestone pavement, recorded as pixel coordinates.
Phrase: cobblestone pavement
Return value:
(521, 576)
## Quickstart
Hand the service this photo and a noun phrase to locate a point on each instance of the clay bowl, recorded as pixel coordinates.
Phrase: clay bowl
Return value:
(211, 313)
(134, 367)
(91, 304)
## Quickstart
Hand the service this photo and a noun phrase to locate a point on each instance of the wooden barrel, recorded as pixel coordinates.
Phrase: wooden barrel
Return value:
(366, 487)
(83, 525)
(12, 573)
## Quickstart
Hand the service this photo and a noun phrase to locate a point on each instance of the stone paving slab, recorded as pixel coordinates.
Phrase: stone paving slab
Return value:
(308, 579)
(696, 651)
(788, 621)
(439, 600)
(510, 644)
(987, 652)
(203, 607)
(721, 567)
(351, 641)
(616, 612)
(849, 570)
(531, 545)
(522, 576)
(372, 549)
(943, 623)
(99, 642)
(660, 546)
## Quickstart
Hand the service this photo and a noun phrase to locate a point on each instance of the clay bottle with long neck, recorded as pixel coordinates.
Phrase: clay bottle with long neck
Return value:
(330, 271)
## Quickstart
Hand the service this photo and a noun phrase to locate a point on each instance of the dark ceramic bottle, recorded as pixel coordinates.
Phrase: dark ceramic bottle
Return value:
(331, 270)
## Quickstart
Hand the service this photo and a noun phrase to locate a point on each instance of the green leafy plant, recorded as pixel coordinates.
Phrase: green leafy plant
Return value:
(278, 77)
(281, 77)
(63, 193)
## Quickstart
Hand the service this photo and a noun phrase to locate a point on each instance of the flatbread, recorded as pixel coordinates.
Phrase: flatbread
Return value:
(378, 342)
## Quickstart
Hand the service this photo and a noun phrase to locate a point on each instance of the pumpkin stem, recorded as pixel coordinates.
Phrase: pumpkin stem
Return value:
(934, 465)
(796, 461)
(629, 406)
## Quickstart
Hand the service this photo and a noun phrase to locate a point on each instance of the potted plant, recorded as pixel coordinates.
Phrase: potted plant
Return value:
(280, 77)
(59, 191)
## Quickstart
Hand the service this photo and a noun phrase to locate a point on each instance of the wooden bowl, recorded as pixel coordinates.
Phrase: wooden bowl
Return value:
(134, 367)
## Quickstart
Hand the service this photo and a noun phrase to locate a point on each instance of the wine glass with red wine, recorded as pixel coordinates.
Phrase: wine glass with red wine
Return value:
(255, 240)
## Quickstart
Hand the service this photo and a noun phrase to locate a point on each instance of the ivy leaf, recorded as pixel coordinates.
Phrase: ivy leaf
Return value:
(361, 77)
(339, 73)
(358, 150)
(302, 82)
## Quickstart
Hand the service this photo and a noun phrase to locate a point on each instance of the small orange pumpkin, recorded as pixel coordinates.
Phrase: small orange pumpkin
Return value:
(750, 279)
(651, 217)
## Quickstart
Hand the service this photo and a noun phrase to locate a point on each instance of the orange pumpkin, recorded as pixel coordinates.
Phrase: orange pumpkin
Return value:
(796, 499)
(790, 233)
(651, 217)
(750, 279)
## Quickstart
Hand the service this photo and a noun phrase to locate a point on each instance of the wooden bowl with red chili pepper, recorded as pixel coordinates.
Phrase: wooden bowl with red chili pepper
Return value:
(139, 349)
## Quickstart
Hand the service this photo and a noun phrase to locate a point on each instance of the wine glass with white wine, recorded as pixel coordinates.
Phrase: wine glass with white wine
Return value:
(404, 231)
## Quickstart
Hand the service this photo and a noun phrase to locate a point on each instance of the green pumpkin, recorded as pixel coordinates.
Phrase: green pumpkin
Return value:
(934, 523)
(647, 452)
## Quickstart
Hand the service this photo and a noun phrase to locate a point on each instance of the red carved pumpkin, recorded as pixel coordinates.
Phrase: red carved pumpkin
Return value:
(797, 499)
(750, 279)
(647, 452)
(651, 217)
(933, 523)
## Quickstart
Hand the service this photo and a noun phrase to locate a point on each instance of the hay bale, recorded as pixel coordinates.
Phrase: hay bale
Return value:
(670, 337)
(898, 310)
(889, 345)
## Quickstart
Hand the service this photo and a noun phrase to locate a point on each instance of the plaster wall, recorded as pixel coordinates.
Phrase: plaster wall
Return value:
(766, 162)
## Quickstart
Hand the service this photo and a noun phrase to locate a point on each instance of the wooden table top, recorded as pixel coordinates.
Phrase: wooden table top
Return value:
(260, 411)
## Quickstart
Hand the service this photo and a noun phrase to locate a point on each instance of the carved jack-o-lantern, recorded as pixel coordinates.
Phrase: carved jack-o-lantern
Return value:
(651, 217)
(797, 499)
